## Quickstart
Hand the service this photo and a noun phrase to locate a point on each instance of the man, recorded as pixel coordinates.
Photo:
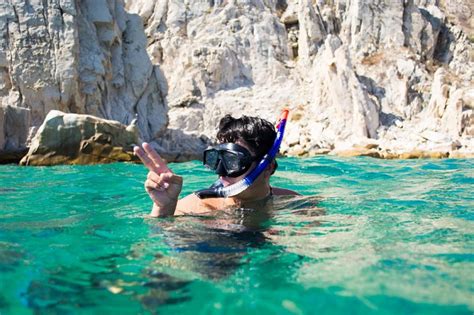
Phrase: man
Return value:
(244, 142)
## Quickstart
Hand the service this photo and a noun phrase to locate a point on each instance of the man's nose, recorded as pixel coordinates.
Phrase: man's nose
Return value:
(220, 169)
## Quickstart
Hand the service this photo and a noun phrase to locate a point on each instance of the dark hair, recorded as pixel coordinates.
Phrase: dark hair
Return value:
(258, 133)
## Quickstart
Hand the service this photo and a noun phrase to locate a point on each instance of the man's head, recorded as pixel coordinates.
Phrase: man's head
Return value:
(244, 142)
(256, 133)
(239, 158)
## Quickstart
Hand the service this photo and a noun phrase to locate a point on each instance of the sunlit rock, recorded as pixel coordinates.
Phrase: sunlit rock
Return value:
(351, 70)
(80, 139)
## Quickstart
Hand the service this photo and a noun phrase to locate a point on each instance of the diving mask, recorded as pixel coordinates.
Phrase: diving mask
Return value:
(228, 159)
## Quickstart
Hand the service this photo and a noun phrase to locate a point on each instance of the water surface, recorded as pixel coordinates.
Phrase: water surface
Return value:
(368, 237)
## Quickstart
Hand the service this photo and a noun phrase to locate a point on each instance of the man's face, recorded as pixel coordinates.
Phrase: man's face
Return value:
(226, 180)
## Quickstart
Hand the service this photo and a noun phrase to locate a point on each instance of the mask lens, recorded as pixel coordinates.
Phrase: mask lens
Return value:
(227, 159)
(210, 158)
(231, 161)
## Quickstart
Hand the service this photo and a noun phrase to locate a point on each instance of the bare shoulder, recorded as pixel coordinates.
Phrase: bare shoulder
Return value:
(283, 191)
(191, 204)
(188, 204)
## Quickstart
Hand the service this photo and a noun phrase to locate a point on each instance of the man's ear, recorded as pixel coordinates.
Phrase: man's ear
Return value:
(275, 166)
(270, 169)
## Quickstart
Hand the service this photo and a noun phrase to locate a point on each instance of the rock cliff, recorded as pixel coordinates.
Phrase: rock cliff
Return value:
(86, 57)
(380, 78)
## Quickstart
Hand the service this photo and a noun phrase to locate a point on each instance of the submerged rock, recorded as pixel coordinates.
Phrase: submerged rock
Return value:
(80, 139)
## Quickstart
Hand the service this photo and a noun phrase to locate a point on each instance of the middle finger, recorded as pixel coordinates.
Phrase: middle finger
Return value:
(156, 158)
(145, 158)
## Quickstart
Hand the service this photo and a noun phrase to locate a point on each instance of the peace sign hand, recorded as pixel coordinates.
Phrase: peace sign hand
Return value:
(162, 185)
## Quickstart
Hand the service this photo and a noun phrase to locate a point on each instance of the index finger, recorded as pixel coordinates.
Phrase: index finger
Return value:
(143, 156)
(156, 158)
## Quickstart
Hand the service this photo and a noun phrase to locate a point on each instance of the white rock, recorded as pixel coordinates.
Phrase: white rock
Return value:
(80, 139)
(340, 95)
(356, 69)
(311, 32)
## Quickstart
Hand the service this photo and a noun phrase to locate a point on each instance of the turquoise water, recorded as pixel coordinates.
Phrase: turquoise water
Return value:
(368, 237)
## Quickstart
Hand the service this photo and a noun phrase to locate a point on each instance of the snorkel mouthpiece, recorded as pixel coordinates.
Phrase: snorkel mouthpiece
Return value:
(210, 192)
(218, 190)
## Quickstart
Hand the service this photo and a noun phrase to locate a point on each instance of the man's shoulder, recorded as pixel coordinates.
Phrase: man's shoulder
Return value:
(283, 191)
(189, 198)
(187, 204)
(192, 204)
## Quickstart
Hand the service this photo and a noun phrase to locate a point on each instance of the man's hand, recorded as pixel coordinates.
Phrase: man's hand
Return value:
(161, 184)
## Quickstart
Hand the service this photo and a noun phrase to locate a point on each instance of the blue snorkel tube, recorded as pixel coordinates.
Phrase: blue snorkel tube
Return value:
(217, 190)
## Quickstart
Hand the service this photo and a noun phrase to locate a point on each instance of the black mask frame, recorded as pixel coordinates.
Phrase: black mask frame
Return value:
(228, 159)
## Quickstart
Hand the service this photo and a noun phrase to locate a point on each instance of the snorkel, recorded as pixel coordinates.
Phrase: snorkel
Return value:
(218, 190)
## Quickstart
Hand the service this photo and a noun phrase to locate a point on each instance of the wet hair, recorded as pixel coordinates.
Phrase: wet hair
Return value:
(259, 134)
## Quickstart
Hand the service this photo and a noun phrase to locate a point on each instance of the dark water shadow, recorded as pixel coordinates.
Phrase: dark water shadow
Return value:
(216, 245)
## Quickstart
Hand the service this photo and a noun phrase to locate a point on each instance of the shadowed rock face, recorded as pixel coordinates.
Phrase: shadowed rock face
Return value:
(14, 126)
(393, 76)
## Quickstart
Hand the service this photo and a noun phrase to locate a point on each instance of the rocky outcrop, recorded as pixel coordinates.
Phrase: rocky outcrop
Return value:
(81, 139)
(381, 78)
(79, 56)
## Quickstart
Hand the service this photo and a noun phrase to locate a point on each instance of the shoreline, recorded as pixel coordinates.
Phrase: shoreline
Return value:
(372, 153)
